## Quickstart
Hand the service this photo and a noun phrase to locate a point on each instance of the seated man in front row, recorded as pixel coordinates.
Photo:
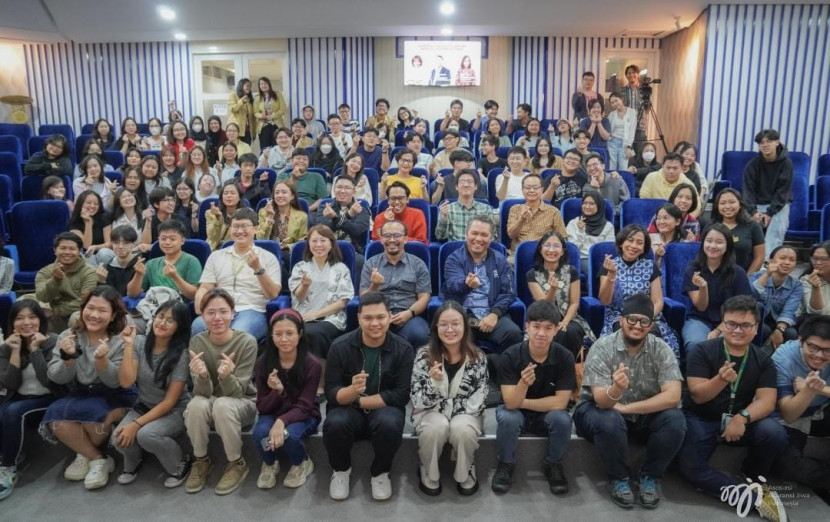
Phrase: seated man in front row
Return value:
(632, 387)
(63, 283)
(249, 273)
(482, 281)
(536, 378)
(803, 397)
(405, 281)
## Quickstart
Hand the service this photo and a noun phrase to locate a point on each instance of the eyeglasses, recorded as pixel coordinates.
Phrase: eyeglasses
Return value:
(555, 247)
(396, 198)
(815, 349)
(465, 182)
(533, 187)
(167, 321)
(450, 326)
(392, 235)
(643, 321)
(284, 335)
(819, 260)
(344, 188)
(218, 313)
(405, 160)
(732, 326)
(241, 227)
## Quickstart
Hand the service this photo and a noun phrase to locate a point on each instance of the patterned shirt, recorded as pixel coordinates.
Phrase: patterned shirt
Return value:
(478, 299)
(545, 218)
(454, 228)
(653, 366)
(632, 98)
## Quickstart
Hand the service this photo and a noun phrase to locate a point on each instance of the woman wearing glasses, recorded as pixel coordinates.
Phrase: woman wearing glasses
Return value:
(709, 281)
(816, 282)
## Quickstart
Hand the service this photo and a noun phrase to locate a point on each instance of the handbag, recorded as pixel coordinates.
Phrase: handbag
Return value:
(579, 370)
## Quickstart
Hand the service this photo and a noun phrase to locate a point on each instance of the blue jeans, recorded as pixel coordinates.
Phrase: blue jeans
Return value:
(766, 439)
(608, 430)
(695, 331)
(13, 416)
(293, 447)
(616, 154)
(777, 228)
(416, 331)
(249, 321)
(555, 425)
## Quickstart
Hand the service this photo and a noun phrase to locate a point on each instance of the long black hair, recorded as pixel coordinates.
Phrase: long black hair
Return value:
(726, 271)
(742, 217)
(240, 91)
(292, 378)
(178, 343)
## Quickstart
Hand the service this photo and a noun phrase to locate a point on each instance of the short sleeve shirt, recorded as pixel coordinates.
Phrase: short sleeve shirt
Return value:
(789, 364)
(187, 266)
(747, 236)
(230, 271)
(718, 291)
(556, 373)
(150, 392)
(404, 280)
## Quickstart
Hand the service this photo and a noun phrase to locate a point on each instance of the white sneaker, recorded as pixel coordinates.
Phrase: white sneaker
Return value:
(128, 477)
(8, 478)
(297, 475)
(381, 487)
(99, 473)
(339, 485)
(268, 476)
(78, 469)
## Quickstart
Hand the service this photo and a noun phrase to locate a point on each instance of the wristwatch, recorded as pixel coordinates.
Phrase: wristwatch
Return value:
(781, 329)
(260, 272)
(745, 414)
(356, 403)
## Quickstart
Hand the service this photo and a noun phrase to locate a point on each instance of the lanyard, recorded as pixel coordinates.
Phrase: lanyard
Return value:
(734, 386)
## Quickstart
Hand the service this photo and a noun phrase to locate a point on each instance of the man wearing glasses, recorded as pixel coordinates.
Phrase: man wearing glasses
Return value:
(346, 217)
(404, 280)
(803, 396)
(632, 388)
(454, 217)
(530, 220)
(397, 194)
(732, 392)
(570, 182)
(249, 273)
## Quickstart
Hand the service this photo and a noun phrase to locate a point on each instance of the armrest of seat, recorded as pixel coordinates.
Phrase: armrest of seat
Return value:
(675, 313)
(281, 302)
(814, 220)
(720, 185)
(593, 311)
(351, 313)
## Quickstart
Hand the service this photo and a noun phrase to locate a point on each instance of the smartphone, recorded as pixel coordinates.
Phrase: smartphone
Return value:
(473, 322)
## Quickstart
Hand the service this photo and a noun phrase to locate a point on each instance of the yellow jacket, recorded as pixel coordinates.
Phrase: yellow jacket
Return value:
(240, 113)
(216, 230)
(279, 111)
(297, 227)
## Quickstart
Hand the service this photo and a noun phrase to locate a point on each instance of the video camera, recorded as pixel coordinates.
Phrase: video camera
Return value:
(646, 89)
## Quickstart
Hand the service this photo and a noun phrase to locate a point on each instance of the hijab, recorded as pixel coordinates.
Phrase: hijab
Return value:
(594, 225)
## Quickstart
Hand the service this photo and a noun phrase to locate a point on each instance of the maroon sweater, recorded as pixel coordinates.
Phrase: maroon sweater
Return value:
(294, 405)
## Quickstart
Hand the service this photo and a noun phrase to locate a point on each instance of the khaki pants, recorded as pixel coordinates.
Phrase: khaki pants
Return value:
(462, 432)
(228, 415)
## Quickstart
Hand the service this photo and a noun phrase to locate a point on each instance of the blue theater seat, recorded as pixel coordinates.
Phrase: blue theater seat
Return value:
(639, 211)
(48, 218)
(9, 143)
(10, 166)
(22, 131)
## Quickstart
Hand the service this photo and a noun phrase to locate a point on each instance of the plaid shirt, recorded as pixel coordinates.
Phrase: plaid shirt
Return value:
(632, 98)
(454, 228)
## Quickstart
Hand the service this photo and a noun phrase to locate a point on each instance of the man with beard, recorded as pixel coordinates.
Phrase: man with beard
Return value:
(397, 194)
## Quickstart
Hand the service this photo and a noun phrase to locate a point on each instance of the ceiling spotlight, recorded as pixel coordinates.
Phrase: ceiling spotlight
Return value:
(447, 8)
(446, 31)
(180, 36)
(166, 13)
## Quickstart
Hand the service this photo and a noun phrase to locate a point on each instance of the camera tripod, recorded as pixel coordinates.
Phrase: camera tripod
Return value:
(645, 113)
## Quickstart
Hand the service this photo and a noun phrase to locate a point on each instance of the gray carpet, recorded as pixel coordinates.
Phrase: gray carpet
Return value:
(43, 495)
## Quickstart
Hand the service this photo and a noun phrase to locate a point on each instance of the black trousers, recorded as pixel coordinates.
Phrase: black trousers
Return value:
(571, 337)
(320, 335)
(812, 472)
(345, 424)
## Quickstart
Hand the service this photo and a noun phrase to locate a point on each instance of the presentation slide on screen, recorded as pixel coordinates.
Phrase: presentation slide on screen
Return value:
(439, 63)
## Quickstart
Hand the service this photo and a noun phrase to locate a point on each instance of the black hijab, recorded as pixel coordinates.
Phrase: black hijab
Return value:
(594, 225)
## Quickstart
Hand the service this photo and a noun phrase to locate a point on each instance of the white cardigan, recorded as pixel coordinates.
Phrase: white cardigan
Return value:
(629, 119)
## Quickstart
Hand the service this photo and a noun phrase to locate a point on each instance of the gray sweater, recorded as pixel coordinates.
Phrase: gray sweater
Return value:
(83, 371)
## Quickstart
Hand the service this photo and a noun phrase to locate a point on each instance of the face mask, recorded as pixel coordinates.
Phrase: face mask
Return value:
(454, 129)
(325, 149)
(197, 128)
(648, 157)
(155, 131)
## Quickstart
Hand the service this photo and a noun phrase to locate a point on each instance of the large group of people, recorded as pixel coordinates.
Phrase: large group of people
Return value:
(107, 352)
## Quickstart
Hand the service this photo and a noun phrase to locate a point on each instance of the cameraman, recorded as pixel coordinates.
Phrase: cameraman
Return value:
(632, 98)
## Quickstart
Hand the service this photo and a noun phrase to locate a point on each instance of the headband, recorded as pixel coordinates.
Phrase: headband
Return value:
(290, 312)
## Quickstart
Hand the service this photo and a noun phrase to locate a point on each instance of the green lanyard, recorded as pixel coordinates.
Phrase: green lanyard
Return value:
(734, 386)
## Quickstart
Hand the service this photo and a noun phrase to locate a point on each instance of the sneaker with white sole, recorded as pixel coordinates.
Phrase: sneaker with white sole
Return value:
(771, 508)
(297, 475)
(128, 477)
(99, 473)
(177, 479)
(8, 478)
(381, 487)
(339, 485)
(78, 469)
(268, 475)
(197, 478)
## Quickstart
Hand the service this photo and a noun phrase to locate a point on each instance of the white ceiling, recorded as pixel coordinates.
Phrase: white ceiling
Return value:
(212, 20)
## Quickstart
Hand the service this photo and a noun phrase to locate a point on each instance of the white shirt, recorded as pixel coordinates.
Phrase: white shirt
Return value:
(343, 142)
(514, 185)
(230, 271)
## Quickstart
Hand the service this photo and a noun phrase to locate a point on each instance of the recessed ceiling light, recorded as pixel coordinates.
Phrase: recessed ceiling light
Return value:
(166, 13)
(213, 48)
(447, 8)
(446, 31)
(180, 36)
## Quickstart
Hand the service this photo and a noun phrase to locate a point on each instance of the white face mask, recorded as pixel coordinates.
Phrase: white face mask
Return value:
(325, 148)
(648, 157)
(453, 128)
(155, 131)
(197, 128)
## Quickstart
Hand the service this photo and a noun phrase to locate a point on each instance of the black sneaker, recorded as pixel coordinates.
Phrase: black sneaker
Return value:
(556, 478)
(176, 480)
(621, 494)
(502, 478)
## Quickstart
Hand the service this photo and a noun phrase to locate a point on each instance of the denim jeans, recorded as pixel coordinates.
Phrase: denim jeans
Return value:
(766, 439)
(249, 321)
(293, 447)
(101, 257)
(695, 331)
(608, 430)
(777, 228)
(14, 414)
(616, 154)
(416, 331)
(555, 425)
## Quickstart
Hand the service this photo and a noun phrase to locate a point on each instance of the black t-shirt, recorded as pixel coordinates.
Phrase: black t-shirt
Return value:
(746, 236)
(704, 361)
(556, 373)
(452, 369)
(569, 187)
(99, 223)
(486, 166)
